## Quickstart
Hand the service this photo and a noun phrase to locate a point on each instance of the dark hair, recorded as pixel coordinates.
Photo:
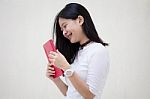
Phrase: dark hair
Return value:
(72, 11)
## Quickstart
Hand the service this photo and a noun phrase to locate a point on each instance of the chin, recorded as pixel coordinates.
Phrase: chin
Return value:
(72, 41)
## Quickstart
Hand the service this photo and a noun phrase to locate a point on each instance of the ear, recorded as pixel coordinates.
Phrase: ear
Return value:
(80, 19)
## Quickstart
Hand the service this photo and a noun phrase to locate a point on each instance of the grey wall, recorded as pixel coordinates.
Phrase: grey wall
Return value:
(26, 24)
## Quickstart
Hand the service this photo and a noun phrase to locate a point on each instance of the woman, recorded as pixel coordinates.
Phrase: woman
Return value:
(81, 54)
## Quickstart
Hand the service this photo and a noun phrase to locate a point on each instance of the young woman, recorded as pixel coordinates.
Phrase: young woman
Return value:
(81, 54)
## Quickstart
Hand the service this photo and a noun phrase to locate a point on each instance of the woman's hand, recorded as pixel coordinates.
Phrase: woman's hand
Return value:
(56, 58)
(50, 72)
(59, 83)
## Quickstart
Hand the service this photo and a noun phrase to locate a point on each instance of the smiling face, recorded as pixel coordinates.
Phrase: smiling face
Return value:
(72, 29)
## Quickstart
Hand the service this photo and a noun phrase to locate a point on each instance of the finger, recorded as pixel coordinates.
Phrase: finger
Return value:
(50, 68)
(51, 61)
(49, 75)
(51, 64)
(57, 51)
(53, 56)
(51, 71)
(53, 53)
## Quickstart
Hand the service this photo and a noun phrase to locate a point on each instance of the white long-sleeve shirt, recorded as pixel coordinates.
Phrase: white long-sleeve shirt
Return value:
(91, 64)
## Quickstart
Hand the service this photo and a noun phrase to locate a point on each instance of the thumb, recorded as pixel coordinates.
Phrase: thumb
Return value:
(57, 51)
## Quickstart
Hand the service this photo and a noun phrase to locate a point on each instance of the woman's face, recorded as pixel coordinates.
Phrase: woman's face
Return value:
(72, 29)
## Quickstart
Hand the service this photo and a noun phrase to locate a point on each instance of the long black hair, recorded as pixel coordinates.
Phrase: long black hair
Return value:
(72, 11)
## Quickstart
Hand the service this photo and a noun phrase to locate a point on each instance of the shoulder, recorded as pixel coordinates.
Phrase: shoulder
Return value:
(93, 49)
(96, 48)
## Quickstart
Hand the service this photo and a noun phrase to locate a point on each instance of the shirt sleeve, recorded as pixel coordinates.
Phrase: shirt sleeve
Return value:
(97, 71)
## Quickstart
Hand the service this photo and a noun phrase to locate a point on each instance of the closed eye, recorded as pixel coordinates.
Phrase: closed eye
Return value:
(63, 27)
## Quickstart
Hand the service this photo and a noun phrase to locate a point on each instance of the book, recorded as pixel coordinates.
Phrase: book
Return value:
(49, 46)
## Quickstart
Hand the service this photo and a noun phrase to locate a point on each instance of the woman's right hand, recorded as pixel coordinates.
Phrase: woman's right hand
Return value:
(51, 72)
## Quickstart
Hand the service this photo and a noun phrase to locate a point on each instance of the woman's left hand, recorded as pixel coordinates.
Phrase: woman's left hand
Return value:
(56, 58)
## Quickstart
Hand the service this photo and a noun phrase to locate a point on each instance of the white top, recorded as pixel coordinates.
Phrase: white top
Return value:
(91, 64)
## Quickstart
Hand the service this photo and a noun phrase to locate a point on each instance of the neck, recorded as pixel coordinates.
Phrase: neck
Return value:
(84, 40)
(85, 43)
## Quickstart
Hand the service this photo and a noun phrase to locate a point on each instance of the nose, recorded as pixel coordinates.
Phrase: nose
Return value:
(65, 33)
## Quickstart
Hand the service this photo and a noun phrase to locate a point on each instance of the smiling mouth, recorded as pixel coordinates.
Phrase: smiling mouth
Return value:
(69, 36)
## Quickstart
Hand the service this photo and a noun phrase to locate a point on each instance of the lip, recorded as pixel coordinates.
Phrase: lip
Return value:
(69, 36)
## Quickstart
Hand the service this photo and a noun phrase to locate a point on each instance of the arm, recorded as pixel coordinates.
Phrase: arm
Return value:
(96, 77)
(81, 86)
(59, 83)
(97, 71)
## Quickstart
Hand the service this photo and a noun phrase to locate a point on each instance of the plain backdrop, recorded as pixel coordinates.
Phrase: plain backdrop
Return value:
(26, 24)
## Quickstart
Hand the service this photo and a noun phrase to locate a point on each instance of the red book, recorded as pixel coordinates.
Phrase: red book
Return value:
(49, 46)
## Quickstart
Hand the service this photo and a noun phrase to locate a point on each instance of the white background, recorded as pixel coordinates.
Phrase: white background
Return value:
(26, 24)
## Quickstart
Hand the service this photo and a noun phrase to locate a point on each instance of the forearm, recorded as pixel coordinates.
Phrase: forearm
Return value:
(78, 83)
(61, 85)
(81, 86)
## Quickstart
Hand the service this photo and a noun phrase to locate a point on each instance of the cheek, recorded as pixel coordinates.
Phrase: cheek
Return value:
(70, 27)
(73, 28)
